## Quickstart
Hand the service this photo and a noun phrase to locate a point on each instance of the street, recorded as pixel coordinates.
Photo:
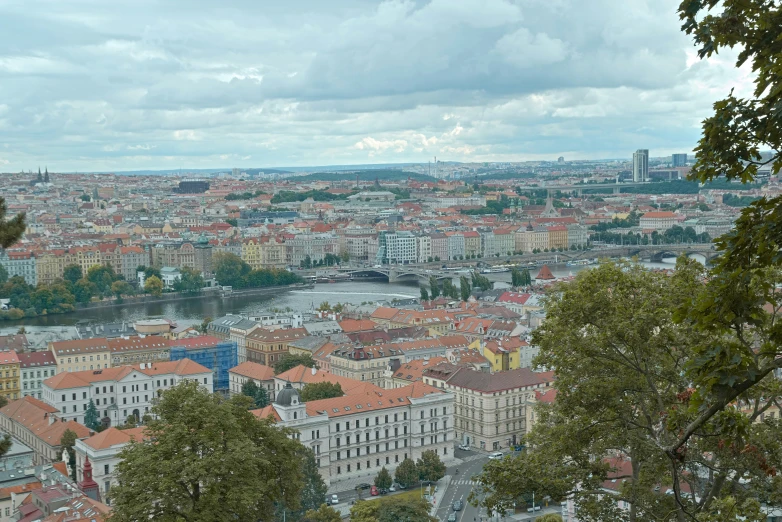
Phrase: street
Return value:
(461, 486)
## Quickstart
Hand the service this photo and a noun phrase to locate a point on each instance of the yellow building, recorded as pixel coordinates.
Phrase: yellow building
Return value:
(81, 354)
(263, 252)
(9, 375)
(557, 237)
(251, 252)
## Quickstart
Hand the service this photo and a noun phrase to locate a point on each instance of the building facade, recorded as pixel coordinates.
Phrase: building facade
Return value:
(35, 367)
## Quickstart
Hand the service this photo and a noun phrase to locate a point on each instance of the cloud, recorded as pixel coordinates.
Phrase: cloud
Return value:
(90, 85)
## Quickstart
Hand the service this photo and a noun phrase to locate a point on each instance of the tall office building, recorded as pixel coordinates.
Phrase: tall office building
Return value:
(641, 165)
(679, 160)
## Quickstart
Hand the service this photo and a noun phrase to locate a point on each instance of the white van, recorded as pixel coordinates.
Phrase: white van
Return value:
(495, 456)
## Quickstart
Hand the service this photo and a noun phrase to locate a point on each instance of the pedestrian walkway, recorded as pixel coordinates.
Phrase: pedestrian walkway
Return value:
(462, 482)
(442, 486)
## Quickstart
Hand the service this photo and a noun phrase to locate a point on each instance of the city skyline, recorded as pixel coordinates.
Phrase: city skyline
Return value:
(89, 87)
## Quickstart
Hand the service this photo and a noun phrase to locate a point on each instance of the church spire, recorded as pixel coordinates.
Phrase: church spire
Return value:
(88, 486)
(40, 178)
(46, 176)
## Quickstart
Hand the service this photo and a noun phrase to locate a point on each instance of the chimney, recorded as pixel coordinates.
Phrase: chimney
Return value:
(314, 371)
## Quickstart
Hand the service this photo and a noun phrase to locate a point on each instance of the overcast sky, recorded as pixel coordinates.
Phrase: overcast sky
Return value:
(97, 85)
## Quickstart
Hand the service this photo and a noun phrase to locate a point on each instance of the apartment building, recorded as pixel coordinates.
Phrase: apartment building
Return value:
(120, 391)
(659, 221)
(268, 346)
(261, 375)
(490, 408)
(35, 367)
(19, 263)
(9, 375)
(39, 427)
(314, 246)
(557, 237)
(103, 450)
(263, 252)
(138, 349)
(438, 322)
(397, 248)
(81, 354)
(439, 246)
(472, 243)
(370, 363)
(360, 243)
(356, 435)
(456, 249)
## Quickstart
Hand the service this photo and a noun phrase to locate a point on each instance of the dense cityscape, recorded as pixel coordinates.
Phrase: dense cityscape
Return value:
(512, 329)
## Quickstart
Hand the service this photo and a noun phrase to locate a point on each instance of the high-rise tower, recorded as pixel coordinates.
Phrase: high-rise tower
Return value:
(641, 165)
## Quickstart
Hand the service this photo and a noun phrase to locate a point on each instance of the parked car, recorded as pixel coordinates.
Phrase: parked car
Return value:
(373, 491)
(452, 517)
(465, 447)
(495, 456)
(364, 485)
(457, 505)
(334, 499)
(392, 489)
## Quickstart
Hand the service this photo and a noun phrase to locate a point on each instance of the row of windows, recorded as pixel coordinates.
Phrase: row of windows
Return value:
(33, 374)
(377, 462)
(84, 358)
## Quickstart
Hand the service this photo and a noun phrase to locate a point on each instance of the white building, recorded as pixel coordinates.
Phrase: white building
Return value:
(397, 248)
(424, 246)
(659, 221)
(35, 367)
(260, 374)
(641, 165)
(121, 391)
(19, 263)
(356, 435)
(103, 450)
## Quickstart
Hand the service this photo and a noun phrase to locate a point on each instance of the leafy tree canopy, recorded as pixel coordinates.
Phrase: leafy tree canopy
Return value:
(10, 230)
(207, 459)
(321, 390)
(290, 360)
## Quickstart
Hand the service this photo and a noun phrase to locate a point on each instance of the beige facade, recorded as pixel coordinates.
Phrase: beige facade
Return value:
(81, 354)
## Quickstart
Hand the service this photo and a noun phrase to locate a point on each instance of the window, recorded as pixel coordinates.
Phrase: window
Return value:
(339, 470)
(106, 469)
(348, 468)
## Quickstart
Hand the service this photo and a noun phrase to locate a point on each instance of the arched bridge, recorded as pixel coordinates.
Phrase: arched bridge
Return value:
(402, 273)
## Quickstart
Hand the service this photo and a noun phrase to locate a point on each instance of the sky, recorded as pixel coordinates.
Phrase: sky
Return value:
(96, 85)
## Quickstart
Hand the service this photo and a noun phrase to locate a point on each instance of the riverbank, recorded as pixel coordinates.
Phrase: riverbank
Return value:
(143, 300)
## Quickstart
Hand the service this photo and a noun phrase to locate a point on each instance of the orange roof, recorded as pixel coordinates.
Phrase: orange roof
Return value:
(357, 325)
(659, 215)
(253, 370)
(370, 401)
(545, 273)
(413, 370)
(98, 344)
(303, 375)
(384, 312)
(114, 437)
(37, 416)
(84, 378)
(9, 357)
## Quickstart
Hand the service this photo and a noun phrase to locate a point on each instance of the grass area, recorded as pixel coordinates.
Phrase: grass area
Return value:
(401, 494)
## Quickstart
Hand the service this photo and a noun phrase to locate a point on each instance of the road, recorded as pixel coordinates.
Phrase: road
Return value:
(461, 486)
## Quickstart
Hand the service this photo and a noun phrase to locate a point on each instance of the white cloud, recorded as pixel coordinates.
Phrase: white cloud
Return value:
(88, 85)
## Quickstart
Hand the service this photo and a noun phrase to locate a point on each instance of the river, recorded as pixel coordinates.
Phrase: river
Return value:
(192, 311)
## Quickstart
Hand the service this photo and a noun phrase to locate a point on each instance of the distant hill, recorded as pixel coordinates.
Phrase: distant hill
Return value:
(365, 175)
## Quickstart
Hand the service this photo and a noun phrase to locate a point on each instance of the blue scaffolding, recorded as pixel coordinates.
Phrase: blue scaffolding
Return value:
(219, 357)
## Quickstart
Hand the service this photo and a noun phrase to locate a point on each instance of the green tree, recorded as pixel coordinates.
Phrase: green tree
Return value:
(450, 290)
(120, 288)
(230, 270)
(383, 479)
(102, 276)
(549, 517)
(306, 263)
(204, 326)
(526, 278)
(465, 288)
(629, 387)
(205, 459)
(392, 510)
(515, 277)
(406, 473)
(84, 290)
(91, 417)
(289, 361)
(345, 256)
(190, 280)
(3, 275)
(424, 294)
(257, 393)
(321, 390)
(314, 489)
(233, 222)
(10, 230)
(72, 273)
(430, 468)
(149, 271)
(434, 287)
(153, 285)
(481, 282)
(324, 513)
(67, 442)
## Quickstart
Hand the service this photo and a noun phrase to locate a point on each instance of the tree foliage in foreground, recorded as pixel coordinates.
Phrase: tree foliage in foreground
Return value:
(10, 231)
(391, 510)
(626, 359)
(207, 459)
